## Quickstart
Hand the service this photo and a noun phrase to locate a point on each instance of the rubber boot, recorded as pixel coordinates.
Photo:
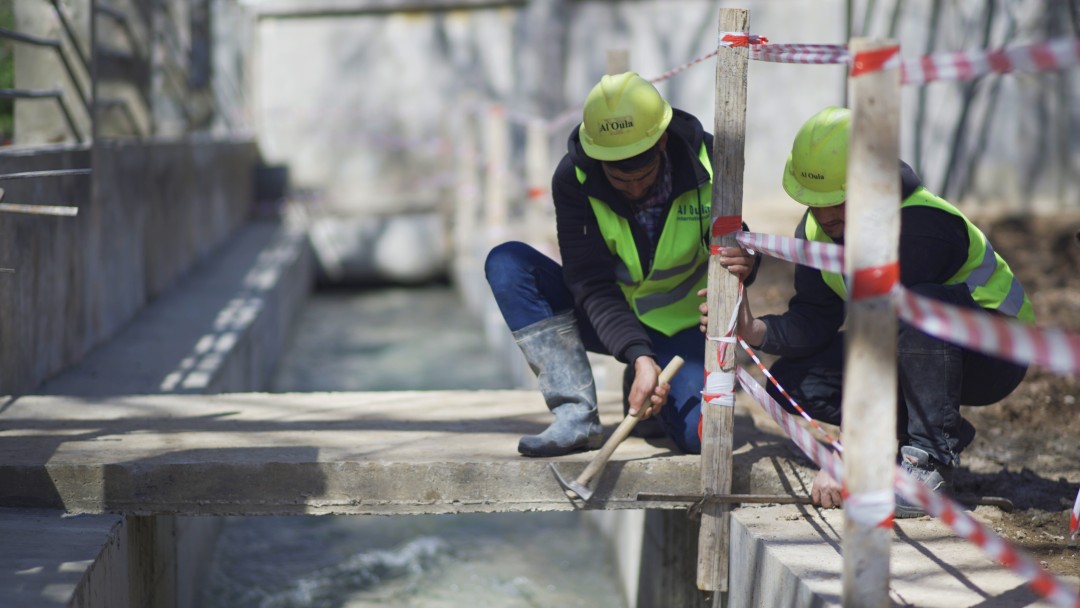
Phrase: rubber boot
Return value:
(554, 351)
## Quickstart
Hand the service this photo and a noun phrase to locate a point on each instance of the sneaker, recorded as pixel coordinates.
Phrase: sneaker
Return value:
(929, 472)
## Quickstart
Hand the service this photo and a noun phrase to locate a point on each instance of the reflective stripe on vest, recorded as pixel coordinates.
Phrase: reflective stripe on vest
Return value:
(987, 276)
(665, 300)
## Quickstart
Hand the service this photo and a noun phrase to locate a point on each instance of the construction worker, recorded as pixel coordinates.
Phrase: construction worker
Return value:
(632, 208)
(942, 256)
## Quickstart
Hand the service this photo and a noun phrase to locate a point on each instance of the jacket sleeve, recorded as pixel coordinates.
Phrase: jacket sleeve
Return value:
(814, 315)
(589, 271)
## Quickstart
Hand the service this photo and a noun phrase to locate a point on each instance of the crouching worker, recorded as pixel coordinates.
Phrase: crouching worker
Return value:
(942, 256)
(632, 207)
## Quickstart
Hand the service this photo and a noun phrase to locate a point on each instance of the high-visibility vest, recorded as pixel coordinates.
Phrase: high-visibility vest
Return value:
(987, 276)
(665, 299)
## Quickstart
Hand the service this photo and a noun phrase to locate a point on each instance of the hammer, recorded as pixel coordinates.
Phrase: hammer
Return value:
(580, 486)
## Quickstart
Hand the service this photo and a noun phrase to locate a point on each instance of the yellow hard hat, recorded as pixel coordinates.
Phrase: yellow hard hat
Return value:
(816, 171)
(624, 116)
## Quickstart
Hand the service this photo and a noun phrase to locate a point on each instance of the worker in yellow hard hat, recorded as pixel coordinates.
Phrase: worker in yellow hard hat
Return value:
(942, 256)
(632, 209)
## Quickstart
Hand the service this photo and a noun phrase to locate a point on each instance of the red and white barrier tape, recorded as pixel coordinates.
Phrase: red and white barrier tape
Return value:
(822, 256)
(826, 459)
(801, 53)
(1041, 581)
(1045, 56)
(783, 391)
(1055, 349)
(966, 65)
(720, 384)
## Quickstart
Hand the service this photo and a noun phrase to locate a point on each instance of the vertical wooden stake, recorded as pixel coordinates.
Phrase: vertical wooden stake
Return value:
(496, 153)
(618, 61)
(538, 187)
(468, 250)
(728, 163)
(871, 236)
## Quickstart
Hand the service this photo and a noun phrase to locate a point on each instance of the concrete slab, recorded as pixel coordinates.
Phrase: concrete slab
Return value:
(790, 556)
(49, 557)
(353, 453)
(221, 328)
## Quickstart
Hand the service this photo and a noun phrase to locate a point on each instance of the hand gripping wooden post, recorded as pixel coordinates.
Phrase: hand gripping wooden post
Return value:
(871, 238)
(729, 137)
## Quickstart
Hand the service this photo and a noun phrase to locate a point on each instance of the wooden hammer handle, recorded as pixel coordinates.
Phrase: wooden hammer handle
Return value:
(623, 430)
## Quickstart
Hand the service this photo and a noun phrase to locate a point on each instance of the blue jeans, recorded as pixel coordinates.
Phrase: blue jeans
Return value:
(528, 287)
(934, 378)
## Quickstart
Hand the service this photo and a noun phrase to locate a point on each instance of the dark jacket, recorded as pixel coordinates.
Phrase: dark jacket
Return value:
(933, 247)
(589, 268)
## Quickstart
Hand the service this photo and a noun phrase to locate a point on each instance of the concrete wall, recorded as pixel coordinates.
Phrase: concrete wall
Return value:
(148, 213)
(366, 105)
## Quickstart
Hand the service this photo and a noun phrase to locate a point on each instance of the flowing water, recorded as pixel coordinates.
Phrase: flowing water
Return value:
(389, 339)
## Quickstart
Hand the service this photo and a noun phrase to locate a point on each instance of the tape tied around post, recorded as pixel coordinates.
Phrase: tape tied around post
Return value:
(719, 388)
(875, 60)
(875, 281)
(737, 39)
(726, 224)
(871, 508)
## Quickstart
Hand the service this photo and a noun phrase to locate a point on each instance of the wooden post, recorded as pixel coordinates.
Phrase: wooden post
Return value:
(719, 418)
(872, 233)
(496, 156)
(618, 61)
(467, 248)
(539, 210)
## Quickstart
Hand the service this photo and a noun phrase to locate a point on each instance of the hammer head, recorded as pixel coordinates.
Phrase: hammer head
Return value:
(572, 487)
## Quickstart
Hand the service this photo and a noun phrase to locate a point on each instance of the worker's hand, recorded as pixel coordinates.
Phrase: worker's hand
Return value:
(647, 395)
(825, 492)
(703, 308)
(747, 326)
(737, 261)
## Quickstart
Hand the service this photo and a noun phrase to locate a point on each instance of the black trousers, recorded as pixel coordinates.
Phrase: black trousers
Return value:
(935, 378)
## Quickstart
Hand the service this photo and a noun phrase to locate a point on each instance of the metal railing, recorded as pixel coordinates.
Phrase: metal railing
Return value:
(58, 94)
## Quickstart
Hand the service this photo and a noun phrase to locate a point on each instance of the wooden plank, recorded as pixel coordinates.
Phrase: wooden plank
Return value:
(872, 232)
(728, 163)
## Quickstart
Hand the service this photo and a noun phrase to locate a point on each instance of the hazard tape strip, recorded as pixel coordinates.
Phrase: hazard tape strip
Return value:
(953, 515)
(822, 256)
(1055, 54)
(823, 457)
(1055, 349)
(966, 65)
(783, 391)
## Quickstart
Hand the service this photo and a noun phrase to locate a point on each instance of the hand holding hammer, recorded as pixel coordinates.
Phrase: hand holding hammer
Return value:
(580, 486)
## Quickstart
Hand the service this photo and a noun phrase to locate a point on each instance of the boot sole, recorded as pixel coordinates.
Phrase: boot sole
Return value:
(594, 443)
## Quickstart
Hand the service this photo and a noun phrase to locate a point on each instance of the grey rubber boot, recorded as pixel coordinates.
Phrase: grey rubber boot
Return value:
(554, 351)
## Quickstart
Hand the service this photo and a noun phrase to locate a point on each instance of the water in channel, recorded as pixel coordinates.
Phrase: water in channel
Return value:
(391, 339)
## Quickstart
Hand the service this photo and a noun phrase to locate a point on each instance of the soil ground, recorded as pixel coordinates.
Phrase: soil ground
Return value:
(1027, 447)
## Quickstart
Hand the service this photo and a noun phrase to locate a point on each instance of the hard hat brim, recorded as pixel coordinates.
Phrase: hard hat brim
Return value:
(808, 197)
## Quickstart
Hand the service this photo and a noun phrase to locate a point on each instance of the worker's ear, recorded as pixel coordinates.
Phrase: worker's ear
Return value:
(662, 142)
